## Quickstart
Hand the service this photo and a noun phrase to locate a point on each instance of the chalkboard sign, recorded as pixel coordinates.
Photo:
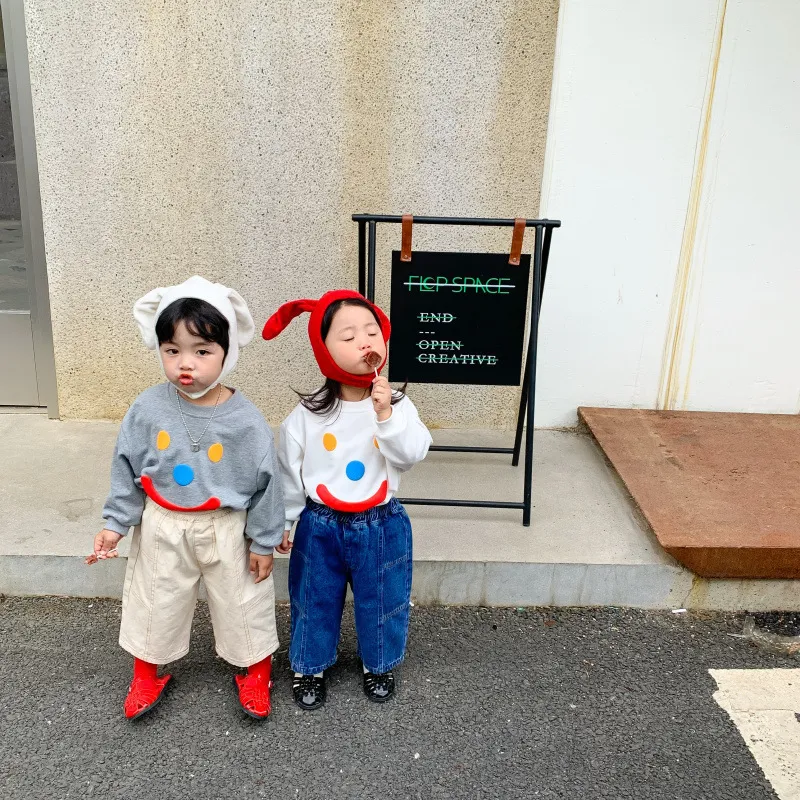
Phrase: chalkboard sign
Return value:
(458, 318)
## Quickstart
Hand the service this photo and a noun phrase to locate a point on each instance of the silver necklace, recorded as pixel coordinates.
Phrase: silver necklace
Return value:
(196, 442)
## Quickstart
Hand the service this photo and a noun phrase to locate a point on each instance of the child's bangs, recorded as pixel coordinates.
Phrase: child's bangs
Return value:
(202, 328)
(200, 318)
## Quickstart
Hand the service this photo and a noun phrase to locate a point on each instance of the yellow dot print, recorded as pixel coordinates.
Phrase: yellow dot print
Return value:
(215, 452)
(329, 441)
(162, 440)
(375, 442)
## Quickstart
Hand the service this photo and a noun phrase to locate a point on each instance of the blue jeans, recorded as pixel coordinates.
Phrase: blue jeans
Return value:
(372, 552)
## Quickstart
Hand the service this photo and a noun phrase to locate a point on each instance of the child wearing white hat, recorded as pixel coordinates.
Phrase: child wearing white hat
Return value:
(195, 473)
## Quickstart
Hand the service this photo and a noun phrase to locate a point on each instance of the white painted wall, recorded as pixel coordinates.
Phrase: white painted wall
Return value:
(740, 351)
(631, 81)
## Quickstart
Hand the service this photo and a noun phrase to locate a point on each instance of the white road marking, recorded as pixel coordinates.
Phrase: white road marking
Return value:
(764, 704)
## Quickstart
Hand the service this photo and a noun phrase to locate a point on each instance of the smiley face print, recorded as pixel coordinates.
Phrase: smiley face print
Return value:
(355, 472)
(183, 475)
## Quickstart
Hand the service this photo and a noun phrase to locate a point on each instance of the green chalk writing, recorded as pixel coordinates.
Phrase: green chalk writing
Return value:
(456, 358)
(427, 316)
(435, 344)
(459, 284)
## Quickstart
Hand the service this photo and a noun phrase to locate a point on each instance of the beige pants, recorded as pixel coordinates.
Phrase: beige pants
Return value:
(170, 551)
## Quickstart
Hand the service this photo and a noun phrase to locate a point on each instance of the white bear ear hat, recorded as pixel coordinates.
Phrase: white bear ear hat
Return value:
(228, 302)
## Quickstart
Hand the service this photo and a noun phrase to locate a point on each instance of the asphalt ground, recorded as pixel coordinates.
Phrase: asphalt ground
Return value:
(527, 703)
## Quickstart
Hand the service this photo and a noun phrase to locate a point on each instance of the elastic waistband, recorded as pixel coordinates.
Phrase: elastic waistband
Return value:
(217, 513)
(394, 506)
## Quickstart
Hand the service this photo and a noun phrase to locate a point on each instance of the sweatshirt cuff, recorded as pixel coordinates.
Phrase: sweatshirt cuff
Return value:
(117, 527)
(395, 424)
(260, 549)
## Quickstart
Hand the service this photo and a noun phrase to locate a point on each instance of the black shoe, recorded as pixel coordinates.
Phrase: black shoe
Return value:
(309, 691)
(379, 688)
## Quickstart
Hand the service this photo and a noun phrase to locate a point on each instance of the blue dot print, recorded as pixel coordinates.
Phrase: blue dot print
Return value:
(355, 470)
(183, 474)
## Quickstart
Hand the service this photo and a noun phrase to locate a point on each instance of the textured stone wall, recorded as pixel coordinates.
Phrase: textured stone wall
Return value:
(234, 139)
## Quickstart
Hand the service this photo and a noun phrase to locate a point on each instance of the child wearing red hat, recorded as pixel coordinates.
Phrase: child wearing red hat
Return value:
(341, 452)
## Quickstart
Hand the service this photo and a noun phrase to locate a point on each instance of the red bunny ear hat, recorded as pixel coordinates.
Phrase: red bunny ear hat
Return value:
(329, 368)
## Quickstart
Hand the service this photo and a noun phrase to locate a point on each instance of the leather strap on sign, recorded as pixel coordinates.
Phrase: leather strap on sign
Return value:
(516, 241)
(405, 237)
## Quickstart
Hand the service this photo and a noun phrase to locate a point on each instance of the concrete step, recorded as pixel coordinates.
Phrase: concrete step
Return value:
(587, 544)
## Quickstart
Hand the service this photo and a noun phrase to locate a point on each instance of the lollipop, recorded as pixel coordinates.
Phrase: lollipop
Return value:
(373, 360)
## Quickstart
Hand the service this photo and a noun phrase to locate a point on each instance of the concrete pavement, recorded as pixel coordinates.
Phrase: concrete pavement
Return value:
(586, 546)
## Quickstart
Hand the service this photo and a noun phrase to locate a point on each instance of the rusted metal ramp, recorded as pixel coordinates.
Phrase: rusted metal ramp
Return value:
(720, 491)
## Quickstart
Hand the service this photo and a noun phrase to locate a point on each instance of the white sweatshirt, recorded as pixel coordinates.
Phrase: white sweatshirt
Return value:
(348, 460)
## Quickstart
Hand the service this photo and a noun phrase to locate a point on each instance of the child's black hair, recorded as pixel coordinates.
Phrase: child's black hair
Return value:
(200, 318)
(327, 398)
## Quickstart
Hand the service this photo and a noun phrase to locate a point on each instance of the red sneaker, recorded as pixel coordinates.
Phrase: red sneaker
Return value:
(254, 694)
(144, 694)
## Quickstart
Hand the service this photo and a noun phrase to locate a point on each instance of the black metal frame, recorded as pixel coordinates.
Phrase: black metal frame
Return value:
(367, 225)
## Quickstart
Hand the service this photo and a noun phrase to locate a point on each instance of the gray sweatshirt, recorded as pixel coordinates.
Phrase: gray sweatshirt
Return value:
(236, 464)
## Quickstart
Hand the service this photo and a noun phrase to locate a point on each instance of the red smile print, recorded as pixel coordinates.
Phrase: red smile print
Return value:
(212, 504)
(355, 471)
(183, 475)
(361, 505)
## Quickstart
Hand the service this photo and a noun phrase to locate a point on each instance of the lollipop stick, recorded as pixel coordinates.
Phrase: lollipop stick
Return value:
(373, 360)
(93, 559)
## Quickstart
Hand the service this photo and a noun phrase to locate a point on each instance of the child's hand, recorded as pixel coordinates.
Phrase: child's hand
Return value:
(105, 546)
(382, 398)
(285, 546)
(260, 566)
